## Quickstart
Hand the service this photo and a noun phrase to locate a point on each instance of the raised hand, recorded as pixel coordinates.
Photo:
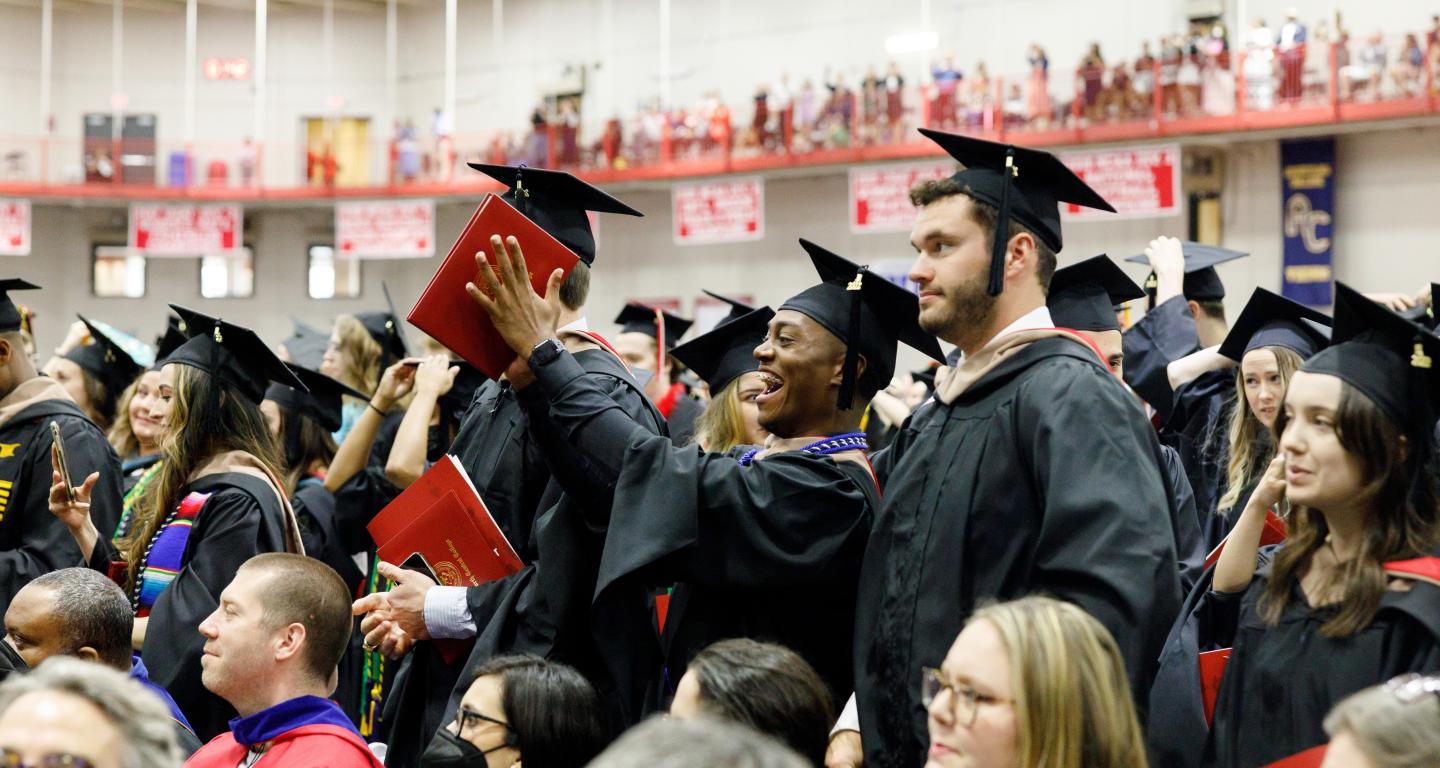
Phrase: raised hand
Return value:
(523, 317)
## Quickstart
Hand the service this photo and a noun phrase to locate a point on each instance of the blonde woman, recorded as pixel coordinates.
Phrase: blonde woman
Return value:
(1395, 725)
(361, 347)
(1034, 682)
(724, 359)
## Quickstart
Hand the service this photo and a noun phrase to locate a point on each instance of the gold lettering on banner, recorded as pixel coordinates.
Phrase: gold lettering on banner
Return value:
(1302, 221)
(468, 576)
(1308, 175)
(1308, 273)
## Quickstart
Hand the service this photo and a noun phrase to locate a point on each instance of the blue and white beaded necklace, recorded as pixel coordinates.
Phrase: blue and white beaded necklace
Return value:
(850, 441)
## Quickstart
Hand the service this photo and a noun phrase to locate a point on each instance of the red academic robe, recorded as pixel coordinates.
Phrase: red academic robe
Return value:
(304, 747)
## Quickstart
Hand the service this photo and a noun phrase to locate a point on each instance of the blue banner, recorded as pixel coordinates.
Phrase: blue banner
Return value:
(1307, 168)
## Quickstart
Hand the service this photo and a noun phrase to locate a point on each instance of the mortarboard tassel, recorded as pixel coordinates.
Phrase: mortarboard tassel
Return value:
(1002, 226)
(659, 340)
(852, 343)
(1420, 360)
(1152, 286)
(521, 193)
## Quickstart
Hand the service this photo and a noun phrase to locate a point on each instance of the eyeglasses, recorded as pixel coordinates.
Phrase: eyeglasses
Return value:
(965, 700)
(467, 719)
(9, 758)
(1412, 688)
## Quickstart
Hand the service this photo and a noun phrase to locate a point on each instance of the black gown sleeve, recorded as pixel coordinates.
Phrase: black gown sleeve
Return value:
(1190, 548)
(1165, 334)
(232, 527)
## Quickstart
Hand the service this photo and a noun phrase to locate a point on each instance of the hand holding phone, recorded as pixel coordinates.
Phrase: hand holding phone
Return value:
(63, 463)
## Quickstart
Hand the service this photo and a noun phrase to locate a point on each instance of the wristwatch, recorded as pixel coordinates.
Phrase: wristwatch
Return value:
(545, 352)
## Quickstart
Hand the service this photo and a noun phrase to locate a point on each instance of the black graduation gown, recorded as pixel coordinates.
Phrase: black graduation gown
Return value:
(1197, 430)
(1282, 680)
(131, 471)
(1190, 549)
(683, 419)
(770, 551)
(500, 452)
(1165, 334)
(240, 520)
(33, 541)
(1043, 476)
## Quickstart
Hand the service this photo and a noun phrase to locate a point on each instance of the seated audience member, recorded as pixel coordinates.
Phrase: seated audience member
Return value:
(1032, 682)
(522, 708)
(700, 743)
(765, 686)
(79, 612)
(70, 713)
(1387, 726)
(271, 649)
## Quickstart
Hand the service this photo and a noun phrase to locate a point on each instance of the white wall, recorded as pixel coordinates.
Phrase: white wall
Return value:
(1385, 240)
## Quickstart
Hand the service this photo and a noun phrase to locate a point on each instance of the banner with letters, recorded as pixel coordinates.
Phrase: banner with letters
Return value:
(1307, 216)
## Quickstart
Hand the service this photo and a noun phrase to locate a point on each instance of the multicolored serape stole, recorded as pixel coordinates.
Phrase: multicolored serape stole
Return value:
(165, 556)
(372, 676)
(132, 498)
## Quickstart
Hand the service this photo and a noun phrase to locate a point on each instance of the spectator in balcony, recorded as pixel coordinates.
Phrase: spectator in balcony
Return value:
(871, 102)
(1092, 80)
(1259, 66)
(1144, 80)
(1217, 81)
(407, 153)
(612, 143)
(537, 145)
(1170, 58)
(1188, 77)
(1408, 67)
(947, 82)
(569, 123)
(838, 112)
(1372, 64)
(1292, 55)
(1037, 93)
(894, 86)
(246, 162)
(1015, 108)
(978, 98)
(805, 111)
(761, 118)
(782, 103)
(1122, 101)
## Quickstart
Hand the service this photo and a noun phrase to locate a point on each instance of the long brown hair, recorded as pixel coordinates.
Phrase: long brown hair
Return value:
(304, 443)
(721, 427)
(122, 435)
(1406, 521)
(1252, 446)
(207, 418)
(364, 353)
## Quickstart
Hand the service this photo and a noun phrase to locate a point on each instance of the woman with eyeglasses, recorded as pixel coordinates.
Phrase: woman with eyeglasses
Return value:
(1395, 725)
(1034, 682)
(521, 708)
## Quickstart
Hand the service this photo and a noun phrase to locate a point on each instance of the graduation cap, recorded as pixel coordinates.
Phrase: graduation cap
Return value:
(11, 317)
(462, 391)
(322, 398)
(1083, 296)
(1271, 320)
(387, 331)
(1425, 315)
(866, 312)
(105, 360)
(306, 344)
(1391, 360)
(726, 352)
(171, 340)
(557, 202)
(1026, 185)
(638, 318)
(738, 309)
(232, 353)
(1202, 282)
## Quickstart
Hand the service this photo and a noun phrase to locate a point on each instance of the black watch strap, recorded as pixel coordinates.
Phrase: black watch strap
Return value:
(545, 352)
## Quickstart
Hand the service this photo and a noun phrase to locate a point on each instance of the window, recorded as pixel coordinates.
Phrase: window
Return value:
(117, 273)
(228, 275)
(331, 277)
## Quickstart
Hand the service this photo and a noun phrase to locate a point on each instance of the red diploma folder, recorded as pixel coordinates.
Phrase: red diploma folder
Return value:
(446, 311)
(1273, 533)
(1310, 758)
(441, 520)
(1212, 671)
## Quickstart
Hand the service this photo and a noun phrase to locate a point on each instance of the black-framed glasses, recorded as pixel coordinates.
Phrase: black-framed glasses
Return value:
(965, 701)
(9, 758)
(1413, 688)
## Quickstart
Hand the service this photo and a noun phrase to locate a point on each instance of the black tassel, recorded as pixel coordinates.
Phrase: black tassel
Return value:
(1002, 227)
(852, 343)
(1152, 286)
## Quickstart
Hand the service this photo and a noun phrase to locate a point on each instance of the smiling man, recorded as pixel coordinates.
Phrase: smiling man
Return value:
(1034, 471)
(765, 543)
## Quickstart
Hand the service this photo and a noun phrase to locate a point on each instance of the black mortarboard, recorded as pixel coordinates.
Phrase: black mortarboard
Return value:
(738, 309)
(321, 400)
(1425, 315)
(724, 353)
(1202, 282)
(866, 312)
(1026, 185)
(105, 360)
(11, 318)
(1271, 320)
(1387, 358)
(387, 331)
(173, 337)
(462, 391)
(1083, 296)
(557, 202)
(306, 344)
(638, 318)
(232, 353)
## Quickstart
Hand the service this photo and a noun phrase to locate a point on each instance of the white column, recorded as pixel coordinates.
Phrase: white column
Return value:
(47, 55)
(261, 32)
(450, 22)
(327, 51)
(665, 78)
(117, 58)
(392, 67)
(191, 65)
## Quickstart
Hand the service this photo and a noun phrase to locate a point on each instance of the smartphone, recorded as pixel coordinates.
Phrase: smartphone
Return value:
(417, 562)
(59, 443)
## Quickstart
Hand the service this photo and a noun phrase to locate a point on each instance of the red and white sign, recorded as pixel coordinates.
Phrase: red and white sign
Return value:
(226, 69)
(183, 230)
(383, 229)
(718, 211)
(14, 227)
(1141, 182)
(880, 194)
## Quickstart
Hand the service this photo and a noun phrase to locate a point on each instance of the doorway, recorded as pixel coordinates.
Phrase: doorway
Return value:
(337, 152)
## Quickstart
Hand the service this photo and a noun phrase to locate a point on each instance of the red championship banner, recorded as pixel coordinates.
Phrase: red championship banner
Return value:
(14, 227)
(383, 229)
(880, 194)
(718, 211)
(1141, 182)
(183, 230)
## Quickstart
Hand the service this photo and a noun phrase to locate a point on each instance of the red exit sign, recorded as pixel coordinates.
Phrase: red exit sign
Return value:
(227, 69)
